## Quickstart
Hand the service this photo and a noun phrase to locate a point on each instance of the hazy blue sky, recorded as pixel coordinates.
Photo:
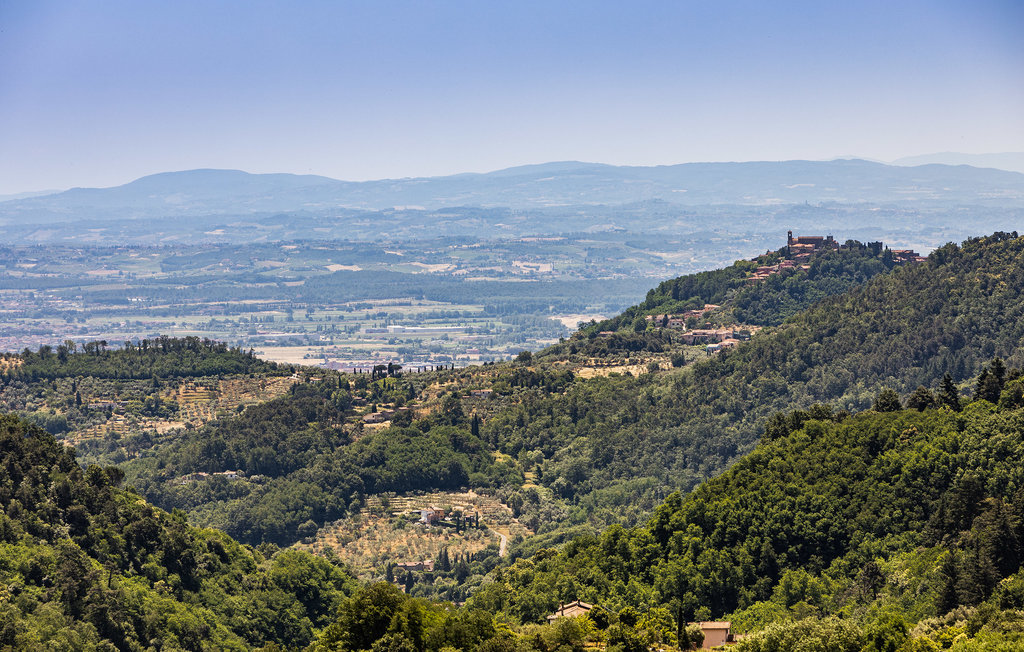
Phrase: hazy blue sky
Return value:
(101, 92)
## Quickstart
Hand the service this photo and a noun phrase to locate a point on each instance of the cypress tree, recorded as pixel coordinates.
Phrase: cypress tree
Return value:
(947, 600)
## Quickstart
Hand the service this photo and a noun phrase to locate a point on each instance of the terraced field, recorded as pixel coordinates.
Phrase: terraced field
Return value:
(387, 529)
(199, 401)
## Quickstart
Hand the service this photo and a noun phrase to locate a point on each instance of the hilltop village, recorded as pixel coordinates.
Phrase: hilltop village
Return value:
(694, 324)
(799, 250)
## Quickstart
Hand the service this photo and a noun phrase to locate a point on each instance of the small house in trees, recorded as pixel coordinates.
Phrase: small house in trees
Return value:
(571, 610)
(193, 477)
(379, 417)
(431, 516)
(727, 343)
(716, 633)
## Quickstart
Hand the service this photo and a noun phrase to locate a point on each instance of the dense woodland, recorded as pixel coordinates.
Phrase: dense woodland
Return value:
(86, 565)
(877, 520)
(163, 357)
(612, 447)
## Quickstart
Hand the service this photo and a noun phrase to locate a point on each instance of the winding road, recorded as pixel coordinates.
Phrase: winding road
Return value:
(503, 546)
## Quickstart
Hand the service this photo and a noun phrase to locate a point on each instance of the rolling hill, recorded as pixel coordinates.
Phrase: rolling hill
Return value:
(848, 529)
(232, 193)
(579, 453)
(1012, 161)
(87, 565)
(870, 523)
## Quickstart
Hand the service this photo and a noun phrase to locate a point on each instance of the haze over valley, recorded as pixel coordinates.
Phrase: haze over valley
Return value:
(515, 267)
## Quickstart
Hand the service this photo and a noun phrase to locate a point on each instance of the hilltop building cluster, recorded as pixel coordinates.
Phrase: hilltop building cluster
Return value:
(679, 321)
(901, 256)
(795, 255)
(803, 246)
(764, 271)
(800, 249)
(715, 339)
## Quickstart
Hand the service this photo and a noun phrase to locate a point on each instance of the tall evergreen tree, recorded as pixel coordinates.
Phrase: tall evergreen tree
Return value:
(998, 369)
(988, 388)
(948, 394)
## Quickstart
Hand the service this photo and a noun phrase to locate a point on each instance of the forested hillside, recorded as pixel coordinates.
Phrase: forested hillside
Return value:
(163, 357)
(765, 303)
(301, 468)
(611, 447)
(86, 565)
(580, 453)
(884, 519)
(890, 529)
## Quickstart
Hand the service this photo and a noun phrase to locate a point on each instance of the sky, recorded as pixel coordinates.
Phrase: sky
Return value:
(97, 93)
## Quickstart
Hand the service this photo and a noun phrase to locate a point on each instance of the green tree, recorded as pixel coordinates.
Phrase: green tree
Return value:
(367, 615)
(887, 634)
(870, 579)
(887, 400)
(949, 396)
(988, 387)
(921, 399)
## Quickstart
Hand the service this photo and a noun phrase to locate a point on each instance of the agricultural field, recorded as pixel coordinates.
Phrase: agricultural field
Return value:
(388, 530)
(197, 401)
(336, 304)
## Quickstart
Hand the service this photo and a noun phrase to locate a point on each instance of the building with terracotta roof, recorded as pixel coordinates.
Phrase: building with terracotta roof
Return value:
(808, 244)
(571, 610)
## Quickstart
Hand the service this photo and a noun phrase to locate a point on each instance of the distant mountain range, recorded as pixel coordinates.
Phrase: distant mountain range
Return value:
(1013, 161)
(26, 195)
(228, 193)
